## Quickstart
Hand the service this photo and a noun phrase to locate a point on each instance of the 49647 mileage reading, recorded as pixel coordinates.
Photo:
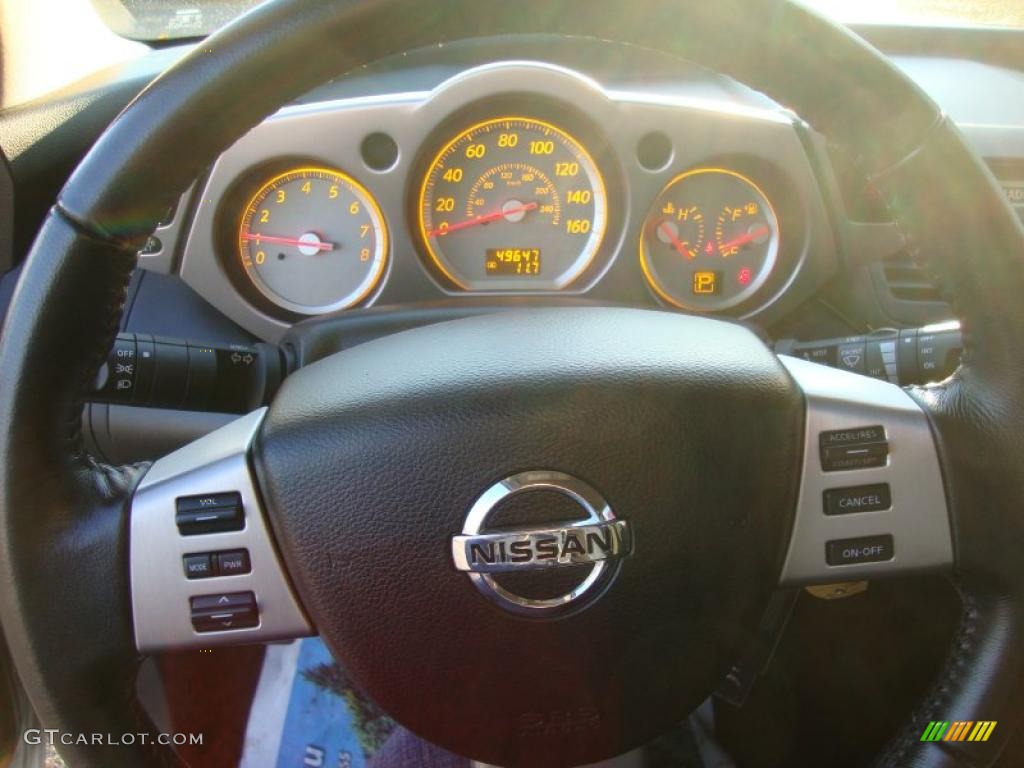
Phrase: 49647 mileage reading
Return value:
(524, 262)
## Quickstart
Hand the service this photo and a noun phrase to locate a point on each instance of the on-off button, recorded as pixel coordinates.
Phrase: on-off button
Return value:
(864, 549)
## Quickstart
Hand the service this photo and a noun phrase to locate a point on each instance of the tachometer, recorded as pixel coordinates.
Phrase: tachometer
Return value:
(313, 240)
(710, 241)
(512, 204)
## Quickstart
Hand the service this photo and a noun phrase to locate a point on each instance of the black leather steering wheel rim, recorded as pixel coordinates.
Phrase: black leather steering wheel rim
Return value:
(64, 515)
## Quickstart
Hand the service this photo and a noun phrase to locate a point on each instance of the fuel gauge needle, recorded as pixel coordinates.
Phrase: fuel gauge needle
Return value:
(743, 239)
(317, 244)
(678, 244)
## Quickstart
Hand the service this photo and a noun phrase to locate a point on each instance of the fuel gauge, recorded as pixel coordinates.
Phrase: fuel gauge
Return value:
(709, 271)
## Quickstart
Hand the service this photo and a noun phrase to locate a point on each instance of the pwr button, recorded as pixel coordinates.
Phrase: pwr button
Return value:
(864, 549)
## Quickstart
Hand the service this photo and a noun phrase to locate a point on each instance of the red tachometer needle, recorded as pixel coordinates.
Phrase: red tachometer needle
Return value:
(743, 239)
(481, 220)
(320, 246)
(678, 244)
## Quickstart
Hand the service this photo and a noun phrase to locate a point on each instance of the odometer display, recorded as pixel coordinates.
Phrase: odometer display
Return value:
(524, 262)
(503, 192)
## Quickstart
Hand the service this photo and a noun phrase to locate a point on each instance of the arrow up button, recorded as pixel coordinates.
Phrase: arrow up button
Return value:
(224, 612)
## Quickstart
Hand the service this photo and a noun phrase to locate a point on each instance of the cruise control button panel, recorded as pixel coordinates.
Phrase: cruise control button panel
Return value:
(865, 549)
(860, 498)
(870, 481)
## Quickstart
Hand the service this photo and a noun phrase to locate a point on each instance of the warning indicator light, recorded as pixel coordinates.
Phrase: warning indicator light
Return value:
(705, 282)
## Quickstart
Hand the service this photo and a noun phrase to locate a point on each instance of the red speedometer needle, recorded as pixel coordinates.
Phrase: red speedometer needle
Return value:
(743, 239)
(678, 244)
(319, 245)
(481, 219)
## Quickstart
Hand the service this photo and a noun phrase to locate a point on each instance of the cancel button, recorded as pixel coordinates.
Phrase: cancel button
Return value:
(859, 498)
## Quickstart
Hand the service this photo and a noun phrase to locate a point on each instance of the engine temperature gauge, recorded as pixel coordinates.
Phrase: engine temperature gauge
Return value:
(704, 265)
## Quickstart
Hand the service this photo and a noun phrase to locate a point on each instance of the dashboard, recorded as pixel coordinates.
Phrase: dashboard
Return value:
(491, 174)
(509, 181)
(660, 155)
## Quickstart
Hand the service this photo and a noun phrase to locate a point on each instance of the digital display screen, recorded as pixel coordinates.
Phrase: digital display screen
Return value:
(520, 262)
(707, 283)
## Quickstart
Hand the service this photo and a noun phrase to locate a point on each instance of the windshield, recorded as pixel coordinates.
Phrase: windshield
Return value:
(175, 19)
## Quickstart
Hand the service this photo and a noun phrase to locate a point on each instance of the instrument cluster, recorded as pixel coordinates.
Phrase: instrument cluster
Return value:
(481, 189)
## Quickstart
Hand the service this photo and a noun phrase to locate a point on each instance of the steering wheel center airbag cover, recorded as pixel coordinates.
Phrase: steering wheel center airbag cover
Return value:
(595, 544)
(373, 458)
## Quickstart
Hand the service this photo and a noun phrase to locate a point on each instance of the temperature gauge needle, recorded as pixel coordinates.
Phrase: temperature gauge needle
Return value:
(678, 244)
(744, 239)
(482, 219)
(297, 242)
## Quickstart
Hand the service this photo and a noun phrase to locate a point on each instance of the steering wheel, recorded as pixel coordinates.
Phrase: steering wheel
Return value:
(367, 462)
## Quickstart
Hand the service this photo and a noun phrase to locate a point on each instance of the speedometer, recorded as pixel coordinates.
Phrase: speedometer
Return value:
(512, 204)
